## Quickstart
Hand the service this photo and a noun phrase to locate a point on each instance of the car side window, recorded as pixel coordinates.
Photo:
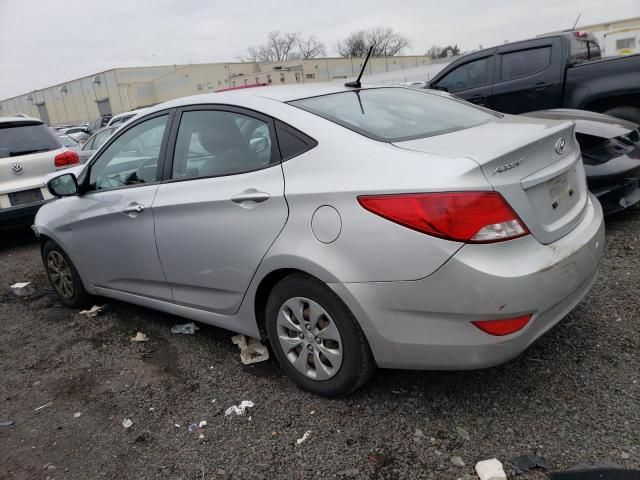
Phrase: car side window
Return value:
(469, 75)
(214, 143)
(132, 159)
(524, 62)
(292, 142)
(89, 144)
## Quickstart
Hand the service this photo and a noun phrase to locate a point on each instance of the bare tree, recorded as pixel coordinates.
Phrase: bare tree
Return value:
(310, 46)
(385, 42)
(436, 51)
(278, 48)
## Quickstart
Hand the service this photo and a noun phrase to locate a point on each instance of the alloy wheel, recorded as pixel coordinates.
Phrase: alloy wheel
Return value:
(309, 338)
(60, 274)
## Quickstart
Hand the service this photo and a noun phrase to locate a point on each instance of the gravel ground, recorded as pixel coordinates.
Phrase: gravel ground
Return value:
(573, 397)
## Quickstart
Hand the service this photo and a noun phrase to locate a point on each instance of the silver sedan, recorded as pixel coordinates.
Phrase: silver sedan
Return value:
(350, 228)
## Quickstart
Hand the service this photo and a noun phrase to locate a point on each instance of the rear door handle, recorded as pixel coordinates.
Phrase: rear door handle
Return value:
(135, 208)
(250, 197)
(541, 86)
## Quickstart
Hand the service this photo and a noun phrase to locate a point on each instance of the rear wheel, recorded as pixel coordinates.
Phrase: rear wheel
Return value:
(315, 337)
(626, 113)
(63, 276)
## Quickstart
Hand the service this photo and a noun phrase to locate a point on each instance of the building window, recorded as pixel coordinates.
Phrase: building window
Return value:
(257, 80)
(310, 76)
(297, 77)
(625, 43)
(246, 82)
(268, 78)
(282, 78)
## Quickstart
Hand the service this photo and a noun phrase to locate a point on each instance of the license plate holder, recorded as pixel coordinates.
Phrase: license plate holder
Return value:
(25, 197)
(559, 188)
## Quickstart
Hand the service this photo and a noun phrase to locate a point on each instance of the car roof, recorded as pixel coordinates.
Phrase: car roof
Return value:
(279, 93)
(30, 120)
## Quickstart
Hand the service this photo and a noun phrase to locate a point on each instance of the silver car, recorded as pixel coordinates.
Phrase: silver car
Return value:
(351, 228)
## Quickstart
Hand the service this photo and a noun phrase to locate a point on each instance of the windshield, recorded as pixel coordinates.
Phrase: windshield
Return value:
(23, 139)
(67, 141)
(396, 114)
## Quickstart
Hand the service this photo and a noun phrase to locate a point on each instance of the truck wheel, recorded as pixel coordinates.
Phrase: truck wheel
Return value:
(315, 338)
(626, 113)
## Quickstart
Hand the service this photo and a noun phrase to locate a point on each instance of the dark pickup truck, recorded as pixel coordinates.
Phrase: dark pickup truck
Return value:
(565, 70)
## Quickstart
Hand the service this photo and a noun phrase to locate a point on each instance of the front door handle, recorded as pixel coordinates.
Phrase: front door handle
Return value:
(135, 208)
(541, 86)
(250, 197)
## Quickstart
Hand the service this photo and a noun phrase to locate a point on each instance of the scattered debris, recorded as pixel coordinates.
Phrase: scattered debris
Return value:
(48, 466)
(528, 462)
(23, 289)
(177, 425)
(192, 427)
(220, 471)
(463, 433)
(239, 409)
(77, 415)
(251, 351)
(94, 311)
(201, 436)
(127, 422)
(6, 423)
(625, 456)
(490, 470)
(312, 412)
(304, 437)
(202, 424)
(417, 435)
(140, 337)
(43, 406)
(457, 461)
(185, 328)
(379, 459)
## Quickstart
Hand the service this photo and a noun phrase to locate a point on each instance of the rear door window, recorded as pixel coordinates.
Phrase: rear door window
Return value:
(396, 114)
(292, 142)
(24, 138)
(524, 62)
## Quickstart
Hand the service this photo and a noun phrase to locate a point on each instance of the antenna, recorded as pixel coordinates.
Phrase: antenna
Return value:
(577, 19)
(357, 83)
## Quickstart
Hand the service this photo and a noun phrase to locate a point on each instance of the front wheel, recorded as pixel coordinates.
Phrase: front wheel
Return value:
(63, 276)
(316, 339)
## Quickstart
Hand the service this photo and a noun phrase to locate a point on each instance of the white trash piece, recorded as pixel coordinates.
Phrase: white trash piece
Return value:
(127, 422)
(140, 337)
(304, 437)
(185, 328)
(94, 311)
(251, 351)
(239, 409)
(23, 289)
(490, 470)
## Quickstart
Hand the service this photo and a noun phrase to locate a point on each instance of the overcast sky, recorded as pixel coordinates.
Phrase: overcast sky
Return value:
(45, 42)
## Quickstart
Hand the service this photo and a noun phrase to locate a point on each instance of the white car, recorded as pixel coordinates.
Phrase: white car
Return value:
(29, 150)
(124, 117)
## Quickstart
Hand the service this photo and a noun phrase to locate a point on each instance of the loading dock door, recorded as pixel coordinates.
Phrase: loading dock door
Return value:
(104, 107)
(44, 115)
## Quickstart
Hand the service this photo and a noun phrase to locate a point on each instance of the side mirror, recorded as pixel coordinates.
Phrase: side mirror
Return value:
(64, 185)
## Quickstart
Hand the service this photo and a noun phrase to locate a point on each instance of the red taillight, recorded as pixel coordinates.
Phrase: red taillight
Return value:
(65, 159)
(473, 217)
(502, 327)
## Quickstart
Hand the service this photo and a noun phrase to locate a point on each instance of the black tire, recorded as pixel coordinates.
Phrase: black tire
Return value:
(79, 297)
(626, 113)
(357, 364)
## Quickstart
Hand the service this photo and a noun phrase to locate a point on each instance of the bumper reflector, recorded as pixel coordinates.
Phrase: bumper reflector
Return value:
(505, 326)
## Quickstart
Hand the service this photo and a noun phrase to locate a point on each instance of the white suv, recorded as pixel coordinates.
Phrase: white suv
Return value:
(28, 151)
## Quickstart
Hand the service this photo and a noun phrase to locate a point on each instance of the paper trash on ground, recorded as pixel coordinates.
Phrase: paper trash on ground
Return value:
(94, 311)
(239, 409)
(252, 350)
(304, 437)
(185, 328)
(490, 470)
(140, 337)
(23, 289)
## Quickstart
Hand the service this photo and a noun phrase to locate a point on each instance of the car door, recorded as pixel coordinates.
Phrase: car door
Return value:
(222, 206)
(470, 80)
(112, 221)
(528, 76)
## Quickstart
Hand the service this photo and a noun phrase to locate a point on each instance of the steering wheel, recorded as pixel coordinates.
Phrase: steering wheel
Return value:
(144, 170)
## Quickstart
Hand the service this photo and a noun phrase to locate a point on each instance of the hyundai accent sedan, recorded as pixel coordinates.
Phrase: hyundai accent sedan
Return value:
(350, 228)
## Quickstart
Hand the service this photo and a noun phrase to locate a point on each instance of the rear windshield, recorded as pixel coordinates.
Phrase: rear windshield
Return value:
(396, 114)
(584, 49)
(21, 139)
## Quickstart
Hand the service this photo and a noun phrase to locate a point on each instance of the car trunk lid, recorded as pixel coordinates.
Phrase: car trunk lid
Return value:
(26, 171)
(522, 159)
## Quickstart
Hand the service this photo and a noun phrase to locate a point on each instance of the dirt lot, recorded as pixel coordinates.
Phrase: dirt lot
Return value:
(573, 397)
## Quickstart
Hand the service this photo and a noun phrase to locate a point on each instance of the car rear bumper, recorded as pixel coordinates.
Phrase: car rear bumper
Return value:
(426, 324)
(20, 216)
